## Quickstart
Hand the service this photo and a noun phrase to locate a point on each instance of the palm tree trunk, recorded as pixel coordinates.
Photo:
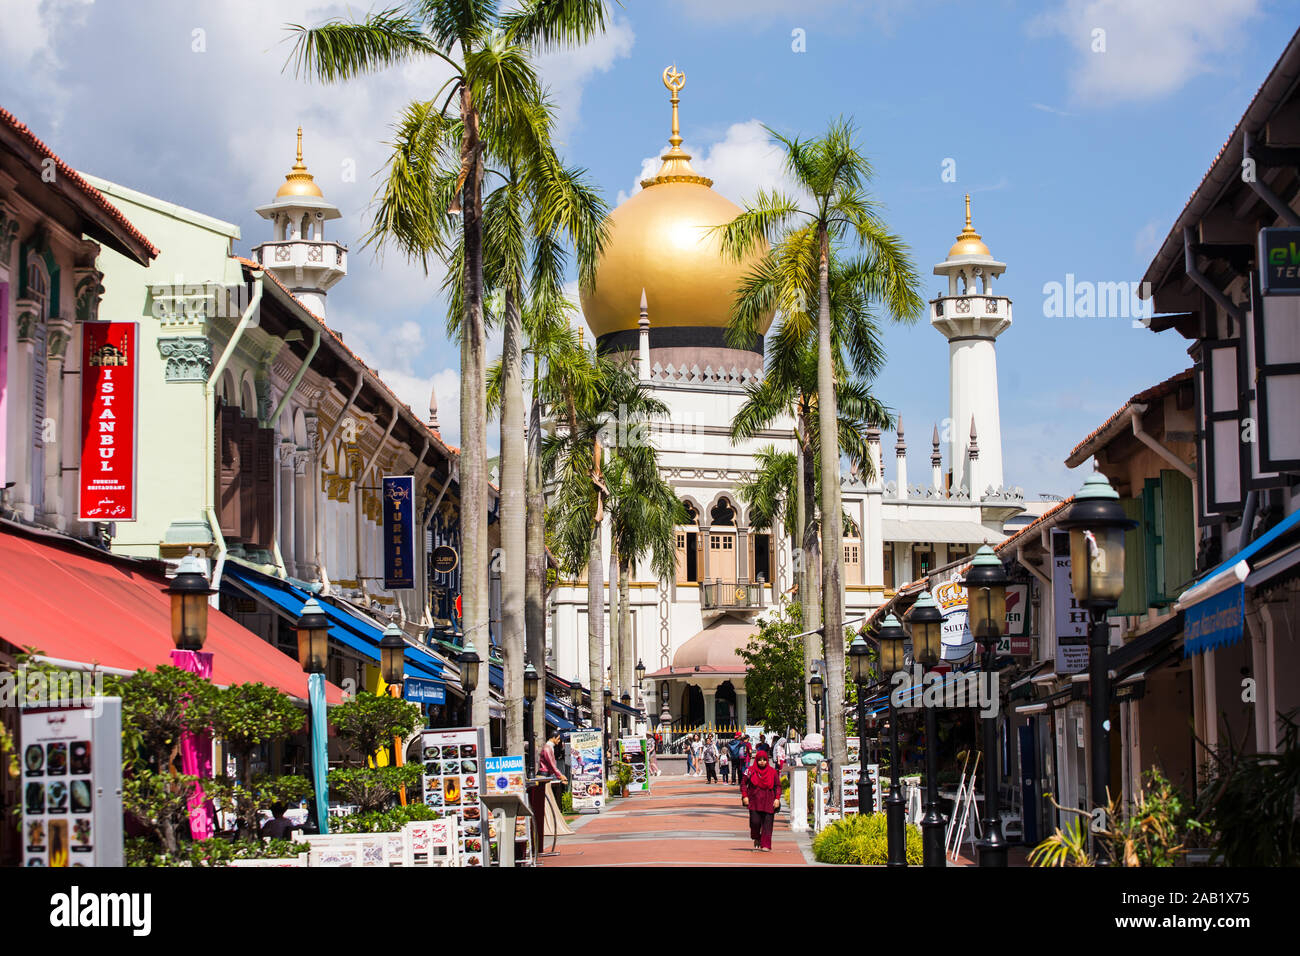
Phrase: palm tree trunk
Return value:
(514, 562)
(626, 653)
(832, 517)
(802, 561)
(535, 584)
(473, 420)
(615, 669)
(596, 629)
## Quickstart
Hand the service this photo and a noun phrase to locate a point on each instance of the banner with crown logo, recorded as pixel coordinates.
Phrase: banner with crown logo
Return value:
(109, 390)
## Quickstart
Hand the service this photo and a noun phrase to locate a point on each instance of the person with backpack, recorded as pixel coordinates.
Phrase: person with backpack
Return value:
(739, 749)
(710, 755)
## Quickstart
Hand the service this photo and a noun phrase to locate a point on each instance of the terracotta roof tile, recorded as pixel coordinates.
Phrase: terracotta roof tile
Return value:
(1033, 525)
(71, 176)
(1141, 398)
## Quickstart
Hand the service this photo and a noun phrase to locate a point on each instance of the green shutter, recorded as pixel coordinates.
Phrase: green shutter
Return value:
(1179, 532)
(1134, 598)
(1153, 517)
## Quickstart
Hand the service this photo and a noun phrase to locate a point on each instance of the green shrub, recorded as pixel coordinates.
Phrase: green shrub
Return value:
(863, 840)
(218, 851)
(383, 821)
(566, 801)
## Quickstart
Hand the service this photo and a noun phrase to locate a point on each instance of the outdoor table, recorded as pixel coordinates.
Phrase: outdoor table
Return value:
(510, 805)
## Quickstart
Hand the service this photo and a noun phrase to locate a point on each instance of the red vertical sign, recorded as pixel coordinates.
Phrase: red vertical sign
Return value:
(109, 361)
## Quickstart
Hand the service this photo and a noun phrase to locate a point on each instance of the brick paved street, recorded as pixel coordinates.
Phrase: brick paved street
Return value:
(682, 822)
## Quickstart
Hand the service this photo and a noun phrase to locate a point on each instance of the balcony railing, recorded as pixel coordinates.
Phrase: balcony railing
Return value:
(731, 595)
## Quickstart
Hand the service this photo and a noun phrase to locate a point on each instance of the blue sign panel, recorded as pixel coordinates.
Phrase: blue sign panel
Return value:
(1279, 261)
(399, 532)
(1214, 622)
(420, 691)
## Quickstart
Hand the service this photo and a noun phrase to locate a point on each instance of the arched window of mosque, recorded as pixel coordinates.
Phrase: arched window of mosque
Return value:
(692, 515)
(723, 513)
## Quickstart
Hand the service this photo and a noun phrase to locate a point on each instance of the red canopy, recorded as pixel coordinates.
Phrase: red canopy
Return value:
(73, 603)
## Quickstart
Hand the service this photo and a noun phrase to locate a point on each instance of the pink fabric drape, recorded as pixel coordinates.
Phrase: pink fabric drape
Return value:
(196, 750)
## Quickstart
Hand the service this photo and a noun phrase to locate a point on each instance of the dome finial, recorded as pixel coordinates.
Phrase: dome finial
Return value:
(968, 240)
(677, 162)
(299, 182)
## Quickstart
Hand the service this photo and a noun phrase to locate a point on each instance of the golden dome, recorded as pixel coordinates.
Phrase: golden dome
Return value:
(299, 182)
(968, 241)
(660, 241)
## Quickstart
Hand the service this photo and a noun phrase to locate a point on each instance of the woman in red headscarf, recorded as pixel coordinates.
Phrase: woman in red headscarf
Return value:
(762, 788)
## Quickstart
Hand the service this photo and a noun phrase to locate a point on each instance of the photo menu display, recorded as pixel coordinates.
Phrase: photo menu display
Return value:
(58, 763)
(453, 780)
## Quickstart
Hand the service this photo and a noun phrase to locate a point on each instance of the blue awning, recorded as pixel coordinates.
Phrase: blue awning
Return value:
(1245, 554)
(345, 628)
(555, 720)
(912, 696)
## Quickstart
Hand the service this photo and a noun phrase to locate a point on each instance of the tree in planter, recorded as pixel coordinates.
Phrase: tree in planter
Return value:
(369, 722)
(245, 717)
(774, 671)
(160, 802)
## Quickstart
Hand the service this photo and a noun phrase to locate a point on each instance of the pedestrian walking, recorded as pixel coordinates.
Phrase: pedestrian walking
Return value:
(739, 750)
(710, 754)
(779, 753)
(724, 764)
(697, 754)
(690, 757)
(762, 789)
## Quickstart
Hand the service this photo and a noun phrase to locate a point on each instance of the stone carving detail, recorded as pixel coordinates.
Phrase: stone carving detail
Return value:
(27, 319)
(189, 358)
(90, 288)
(312, 424)
(963, 305)
(991, 305)
(56, 343)
(286, 450)
(314, 254)
(281, 253)
(1003, 494)
(301, 458)
(8, 233)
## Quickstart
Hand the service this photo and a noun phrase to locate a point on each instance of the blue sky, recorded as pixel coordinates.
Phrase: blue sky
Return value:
(1077, 159)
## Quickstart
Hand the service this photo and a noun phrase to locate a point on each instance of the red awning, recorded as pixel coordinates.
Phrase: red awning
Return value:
(73, 603)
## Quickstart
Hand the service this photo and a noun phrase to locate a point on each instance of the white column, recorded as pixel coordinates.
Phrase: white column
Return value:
(644, 339)
(900, 453)
(974, 383)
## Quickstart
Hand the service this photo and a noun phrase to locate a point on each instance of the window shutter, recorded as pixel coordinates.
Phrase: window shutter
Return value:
(1154, 523)
(1134, 598)
(264, 488)
(1218, 395)
(247, 484)
(227, 465)
(1179, 549)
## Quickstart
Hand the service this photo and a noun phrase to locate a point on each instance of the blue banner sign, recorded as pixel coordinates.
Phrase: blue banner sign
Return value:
(420, 691)
(1214, 622)
(1279, 261)
(399, 532)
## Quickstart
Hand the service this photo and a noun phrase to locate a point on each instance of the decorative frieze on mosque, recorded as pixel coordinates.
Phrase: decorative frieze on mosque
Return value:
(706, 376)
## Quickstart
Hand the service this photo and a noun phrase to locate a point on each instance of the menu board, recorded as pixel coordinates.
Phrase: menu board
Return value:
(453, 780)
(587, 769)
(504, 775)
(72, 785)
(849, 797)
(635, 752)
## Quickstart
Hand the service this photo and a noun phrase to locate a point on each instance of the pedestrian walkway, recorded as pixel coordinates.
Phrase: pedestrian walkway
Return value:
(683, 821)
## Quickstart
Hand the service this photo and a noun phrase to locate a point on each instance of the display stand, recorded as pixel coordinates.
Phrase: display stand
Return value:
(798, 798)
(510, 806)
(539, 796)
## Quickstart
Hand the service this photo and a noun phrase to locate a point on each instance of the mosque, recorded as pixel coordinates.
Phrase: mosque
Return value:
(663, 292)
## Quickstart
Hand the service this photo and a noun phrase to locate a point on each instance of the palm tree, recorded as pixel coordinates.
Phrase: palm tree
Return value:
(600, 390)
(488, 53)
(833, 173)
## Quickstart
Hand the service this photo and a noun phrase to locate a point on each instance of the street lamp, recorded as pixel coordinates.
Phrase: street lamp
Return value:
(189, 591)
(626, 701)
(860, 664)
(815, 687)
(986, 605)
(469, 664)
(640, 679)
(926, 620)
(607, 720)
(576, 694)
(392, 655)
(313, 654)
(531, 680)
(1097, 524)
(893, 658)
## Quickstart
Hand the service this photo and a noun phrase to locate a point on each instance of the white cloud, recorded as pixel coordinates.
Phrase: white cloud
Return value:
(1144, 50)
(740, 164)
(567, 71)
(1147, 241)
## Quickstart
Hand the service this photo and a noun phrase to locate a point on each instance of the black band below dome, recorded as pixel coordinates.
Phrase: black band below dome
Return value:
(674, 336)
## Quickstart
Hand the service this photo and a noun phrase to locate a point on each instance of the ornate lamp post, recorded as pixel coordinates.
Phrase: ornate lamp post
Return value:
(608, 722)
(986, 604)
(640, 679)
(626, 701)
(576, 694)
(815, 687)
(531, 681)
(392, 657)
(893, 660)
(927, 633)
(860, 664)
(1097, 524)
(313, 629)
(469, 665)
(189, 591)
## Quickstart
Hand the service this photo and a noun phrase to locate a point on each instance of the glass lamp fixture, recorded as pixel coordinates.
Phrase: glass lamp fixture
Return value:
(860, 660)
(986, 596)
(1097, 525)
(927, 629)
(189, 591)
(392, 655)
(313, 629)
(469, 665)
(893, 652)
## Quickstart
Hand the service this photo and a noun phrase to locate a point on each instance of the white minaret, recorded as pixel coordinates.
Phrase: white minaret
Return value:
(298, 254)
(643, 326)
(971, 317)
(900, 454)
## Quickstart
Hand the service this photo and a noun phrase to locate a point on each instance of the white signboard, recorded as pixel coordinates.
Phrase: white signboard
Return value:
(72, 785)
(958, 642)
(1071, 619)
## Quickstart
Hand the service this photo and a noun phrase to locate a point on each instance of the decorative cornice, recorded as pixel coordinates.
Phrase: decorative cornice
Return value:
(188, 358)
(28, 314)
(8, 231)
(89, 290)
(57, 337)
